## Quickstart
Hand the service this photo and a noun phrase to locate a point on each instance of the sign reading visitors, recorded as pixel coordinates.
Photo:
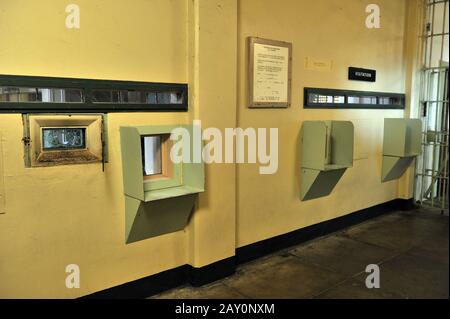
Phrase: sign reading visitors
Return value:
(359, 74)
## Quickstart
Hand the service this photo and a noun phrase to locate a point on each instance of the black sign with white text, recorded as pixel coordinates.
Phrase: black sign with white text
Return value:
(359, 74)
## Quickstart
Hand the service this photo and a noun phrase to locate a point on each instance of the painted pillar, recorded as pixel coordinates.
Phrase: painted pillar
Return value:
(212, 30)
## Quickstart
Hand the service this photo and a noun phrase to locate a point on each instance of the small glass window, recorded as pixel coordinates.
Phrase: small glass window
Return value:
(43, 95)
(105, 96)
(152, 155)
(60, 95)
(390, 101)
(362, 100)
(384, 101)
(136, 97)
(339, 99)
(170, 98)
(155, 157)
(326, 99)
(63, 138)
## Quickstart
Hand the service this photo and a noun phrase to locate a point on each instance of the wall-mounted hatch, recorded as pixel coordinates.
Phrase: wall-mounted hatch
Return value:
(159, 193)
(402, 142)
(63, 139)
(327, 151)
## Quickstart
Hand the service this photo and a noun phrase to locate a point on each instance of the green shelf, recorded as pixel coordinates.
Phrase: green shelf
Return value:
(171, 192)
(333, 167)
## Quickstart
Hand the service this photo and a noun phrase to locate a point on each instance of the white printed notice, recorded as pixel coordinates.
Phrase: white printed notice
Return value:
(270, 74)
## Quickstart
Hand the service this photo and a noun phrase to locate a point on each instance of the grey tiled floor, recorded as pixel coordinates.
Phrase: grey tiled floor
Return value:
(411, 248)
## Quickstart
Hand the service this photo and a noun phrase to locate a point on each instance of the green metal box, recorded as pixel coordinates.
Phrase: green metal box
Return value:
(402, 142)
(326, 152)
(153, 208)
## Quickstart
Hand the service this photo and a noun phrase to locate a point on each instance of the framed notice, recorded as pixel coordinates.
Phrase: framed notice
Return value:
(269, 73)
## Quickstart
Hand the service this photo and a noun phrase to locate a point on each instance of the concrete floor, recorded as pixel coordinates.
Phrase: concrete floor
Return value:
(411, 249)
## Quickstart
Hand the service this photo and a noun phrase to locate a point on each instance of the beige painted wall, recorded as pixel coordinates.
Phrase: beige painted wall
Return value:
(332, 30)
(75, 214)
(2, 178)
(145, 41)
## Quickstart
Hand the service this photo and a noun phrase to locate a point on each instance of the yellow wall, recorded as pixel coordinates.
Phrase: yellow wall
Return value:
(269, 205)
(145, 41)
(75, 214)
(2, 178)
